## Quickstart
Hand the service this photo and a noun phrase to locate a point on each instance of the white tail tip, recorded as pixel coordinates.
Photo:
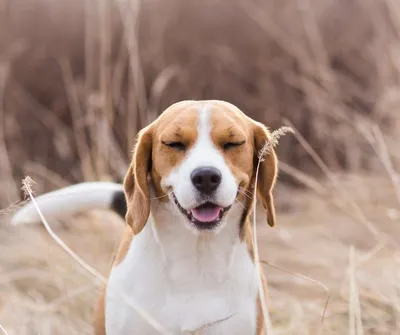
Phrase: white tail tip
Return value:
(69, 200)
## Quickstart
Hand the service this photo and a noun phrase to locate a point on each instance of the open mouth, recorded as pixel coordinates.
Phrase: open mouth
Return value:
(204, 217)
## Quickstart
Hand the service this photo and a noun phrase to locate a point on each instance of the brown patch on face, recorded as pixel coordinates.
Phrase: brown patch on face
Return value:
(153, 159)
(177, 126)
(229, 128)
(232, 136)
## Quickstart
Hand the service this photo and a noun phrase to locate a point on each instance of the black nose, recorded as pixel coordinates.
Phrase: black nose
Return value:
(206, 179)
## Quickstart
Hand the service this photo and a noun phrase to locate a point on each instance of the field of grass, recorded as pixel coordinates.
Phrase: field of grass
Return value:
(320, 236)
(78, 79)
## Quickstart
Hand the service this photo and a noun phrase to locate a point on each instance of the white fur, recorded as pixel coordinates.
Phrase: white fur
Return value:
(68, 200)
(186, 280)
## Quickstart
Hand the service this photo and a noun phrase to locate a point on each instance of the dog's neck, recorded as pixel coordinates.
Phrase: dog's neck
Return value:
(184, 248)
(168, 265)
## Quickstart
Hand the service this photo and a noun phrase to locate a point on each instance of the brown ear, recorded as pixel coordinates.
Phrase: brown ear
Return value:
(136, 183)
(267, 173)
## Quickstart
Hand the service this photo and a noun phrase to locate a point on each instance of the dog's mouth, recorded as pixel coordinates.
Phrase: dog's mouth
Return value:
(204, 217)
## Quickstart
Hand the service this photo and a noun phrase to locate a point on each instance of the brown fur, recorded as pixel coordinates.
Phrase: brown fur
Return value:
(267, 173)
(178, 125)
(99, 323)
(152, 160)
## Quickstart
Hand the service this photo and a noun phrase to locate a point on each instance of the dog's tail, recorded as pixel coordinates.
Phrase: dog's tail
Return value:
(73, 199)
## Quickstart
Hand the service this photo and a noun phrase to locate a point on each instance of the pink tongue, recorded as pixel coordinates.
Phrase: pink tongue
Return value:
(206, 214)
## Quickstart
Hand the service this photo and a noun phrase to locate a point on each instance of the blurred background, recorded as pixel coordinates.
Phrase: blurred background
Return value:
(79, 78)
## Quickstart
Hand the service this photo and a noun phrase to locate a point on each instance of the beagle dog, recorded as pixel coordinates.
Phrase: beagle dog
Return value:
(186, 256)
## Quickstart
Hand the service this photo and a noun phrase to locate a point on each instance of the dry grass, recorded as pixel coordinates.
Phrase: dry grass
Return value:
(87, 75)
(50, 293)
(79, 78)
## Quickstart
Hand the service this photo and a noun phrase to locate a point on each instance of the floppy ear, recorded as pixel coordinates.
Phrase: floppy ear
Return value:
(267, 173)
(136, 183)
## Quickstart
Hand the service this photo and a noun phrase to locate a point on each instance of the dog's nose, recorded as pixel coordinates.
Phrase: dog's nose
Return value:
(206, 179)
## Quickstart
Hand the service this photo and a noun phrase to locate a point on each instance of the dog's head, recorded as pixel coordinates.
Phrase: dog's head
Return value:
(201, 157)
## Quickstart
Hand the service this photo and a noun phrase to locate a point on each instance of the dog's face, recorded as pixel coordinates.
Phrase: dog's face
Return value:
(201, 157)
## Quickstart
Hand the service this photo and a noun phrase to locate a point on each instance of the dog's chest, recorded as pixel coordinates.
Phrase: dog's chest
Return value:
(190, 287)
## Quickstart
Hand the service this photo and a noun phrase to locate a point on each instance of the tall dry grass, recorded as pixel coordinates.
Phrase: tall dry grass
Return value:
(87, 75)
(79, 78)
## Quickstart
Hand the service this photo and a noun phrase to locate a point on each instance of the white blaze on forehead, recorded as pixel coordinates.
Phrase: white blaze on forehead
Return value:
(204, 153)
(204, 143)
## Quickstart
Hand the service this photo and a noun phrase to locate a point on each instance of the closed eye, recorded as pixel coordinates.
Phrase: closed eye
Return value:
(175, 145)
(231, 145)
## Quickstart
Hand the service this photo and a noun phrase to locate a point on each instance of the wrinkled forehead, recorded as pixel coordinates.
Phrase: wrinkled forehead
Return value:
(186, 118)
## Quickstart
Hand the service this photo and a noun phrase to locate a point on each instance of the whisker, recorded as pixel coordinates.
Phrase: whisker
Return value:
(162, 196)
(175, 211)
(245, 191)
(244, 194)
(241, 204)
